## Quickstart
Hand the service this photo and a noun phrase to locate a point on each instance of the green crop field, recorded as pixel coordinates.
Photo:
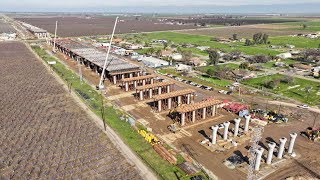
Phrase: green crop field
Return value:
(200, 40)
(229, 65)
(295, 90)
(313, 25)
(299, 42)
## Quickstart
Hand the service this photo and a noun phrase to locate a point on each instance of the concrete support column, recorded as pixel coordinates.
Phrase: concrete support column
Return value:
(150, 93)
(214, 134)
(122, 76)
(170, 103)
(293, 137)
(168, 88)
(151, 80)
(214, 110)
(143, 82)
(114, 79)
(246, 125)
(141, 95)
(270, 152)
(258, 159)
(159, 106)
(226, 130)
(188, 98)
(135, 84)
(183, 116)
(159, 90)
(138, 74)
(281, 147)
(130, 75)
(127, 86)
(236, 126)
(204, 113)
(179, 100)
(193, 116)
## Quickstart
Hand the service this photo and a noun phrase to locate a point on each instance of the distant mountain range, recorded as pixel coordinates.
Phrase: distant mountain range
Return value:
(305, 8)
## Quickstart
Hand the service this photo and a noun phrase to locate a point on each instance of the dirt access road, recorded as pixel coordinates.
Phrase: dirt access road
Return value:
(145, 171)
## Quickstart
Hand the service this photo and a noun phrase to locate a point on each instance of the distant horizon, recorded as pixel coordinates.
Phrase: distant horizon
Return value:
(286, 8)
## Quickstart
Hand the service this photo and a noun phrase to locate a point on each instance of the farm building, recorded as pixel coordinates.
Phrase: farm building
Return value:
(284, 55)
(154, 62)
(94, 59)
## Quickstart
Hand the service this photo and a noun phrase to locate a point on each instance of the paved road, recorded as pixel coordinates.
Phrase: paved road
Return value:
(293, 105)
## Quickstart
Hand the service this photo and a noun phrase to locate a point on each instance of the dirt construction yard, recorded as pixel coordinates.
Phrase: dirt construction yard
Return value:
(188, 139)
(44, 132)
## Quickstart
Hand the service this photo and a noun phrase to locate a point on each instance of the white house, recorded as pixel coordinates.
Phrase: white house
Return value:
(203, 48)
(183, 67)
(284, 55)
(177, 57)
(154, 62)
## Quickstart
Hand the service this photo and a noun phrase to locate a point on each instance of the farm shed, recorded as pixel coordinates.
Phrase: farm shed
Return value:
(154, 62)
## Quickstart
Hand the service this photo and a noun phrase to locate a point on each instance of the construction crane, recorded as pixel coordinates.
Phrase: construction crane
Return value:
(255, 138)
(101, 85)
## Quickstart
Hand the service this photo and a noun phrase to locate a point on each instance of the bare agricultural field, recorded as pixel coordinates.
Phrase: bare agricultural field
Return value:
(5, 27)
(246, 31)
(44, 133)
(80, 26)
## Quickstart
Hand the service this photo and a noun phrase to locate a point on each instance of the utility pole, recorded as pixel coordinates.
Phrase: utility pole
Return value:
(55, 36)
(102, 111)
(101, 85)
(80, 70)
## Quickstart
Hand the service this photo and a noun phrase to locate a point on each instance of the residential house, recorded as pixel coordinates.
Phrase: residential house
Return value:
(166, 53)
(290, 46)
(284, 55)
(195, 61)
(176, 57)
(183, 67)
(203, 48)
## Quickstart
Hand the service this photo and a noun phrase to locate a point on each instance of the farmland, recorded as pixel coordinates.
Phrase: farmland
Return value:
(247, 31)
(5, 27)
(81, 26)
(296, 90)
(44, 133)
(179, 37)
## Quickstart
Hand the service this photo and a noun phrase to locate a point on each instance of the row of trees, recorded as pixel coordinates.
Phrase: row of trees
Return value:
(271, 84)
(258, 38)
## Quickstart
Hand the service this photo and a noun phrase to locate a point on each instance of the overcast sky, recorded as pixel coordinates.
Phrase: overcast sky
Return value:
(96, 3)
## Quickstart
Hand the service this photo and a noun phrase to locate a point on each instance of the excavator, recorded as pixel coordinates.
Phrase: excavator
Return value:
(312, 133)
